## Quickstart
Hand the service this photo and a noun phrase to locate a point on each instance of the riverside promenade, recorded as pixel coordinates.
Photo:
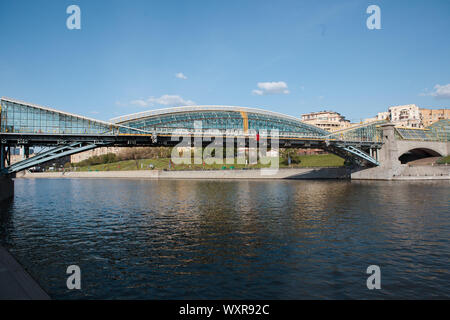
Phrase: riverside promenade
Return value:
(402, 172)
(297, 173)
(15, 282)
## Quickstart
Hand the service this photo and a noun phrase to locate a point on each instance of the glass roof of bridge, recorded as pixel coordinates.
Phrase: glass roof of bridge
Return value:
(438, 131)
(22, 117)
(223, 118)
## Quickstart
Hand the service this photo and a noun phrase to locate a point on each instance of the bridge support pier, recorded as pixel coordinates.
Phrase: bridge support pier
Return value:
(390, 166)
(6, 183)
(6, 188)
(389, 150)
(2, 157)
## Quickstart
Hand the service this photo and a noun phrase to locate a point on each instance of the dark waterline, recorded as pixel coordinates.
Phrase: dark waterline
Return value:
(186, 239)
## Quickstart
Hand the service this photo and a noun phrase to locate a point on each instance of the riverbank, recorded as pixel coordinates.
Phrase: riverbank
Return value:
(404, 172)
(15, 282)
(298, 173)
(304, 161)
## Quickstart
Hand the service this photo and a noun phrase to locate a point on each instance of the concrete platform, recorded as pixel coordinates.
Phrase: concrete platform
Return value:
(15, 282)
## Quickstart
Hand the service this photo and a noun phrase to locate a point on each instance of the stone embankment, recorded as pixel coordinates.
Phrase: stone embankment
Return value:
(300, 173)
(404, 172)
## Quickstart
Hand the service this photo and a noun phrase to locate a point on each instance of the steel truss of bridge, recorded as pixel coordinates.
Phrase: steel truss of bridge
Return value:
(65, 145)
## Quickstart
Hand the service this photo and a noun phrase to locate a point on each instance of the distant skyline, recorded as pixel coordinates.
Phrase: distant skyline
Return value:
(291, 57)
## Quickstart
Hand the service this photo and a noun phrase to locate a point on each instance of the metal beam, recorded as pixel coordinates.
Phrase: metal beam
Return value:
(359, 153)
(58, 152)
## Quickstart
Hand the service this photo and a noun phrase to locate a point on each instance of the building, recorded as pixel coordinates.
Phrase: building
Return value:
(411, 116)
(430, 116)
(406, 116)
(383, 116)
(327, 120)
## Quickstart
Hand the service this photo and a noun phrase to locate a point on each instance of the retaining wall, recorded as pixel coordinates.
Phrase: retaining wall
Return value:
(301, 173)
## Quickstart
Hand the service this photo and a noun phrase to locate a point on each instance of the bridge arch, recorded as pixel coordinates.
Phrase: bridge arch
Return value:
(418, 153)
(410, 150)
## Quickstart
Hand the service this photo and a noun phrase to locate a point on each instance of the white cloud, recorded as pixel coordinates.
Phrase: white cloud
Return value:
(440, 92)
(165, 100)
(180, 75)
(141, 103)
(264, 88)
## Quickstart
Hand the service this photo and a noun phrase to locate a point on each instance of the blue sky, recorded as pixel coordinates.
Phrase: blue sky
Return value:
(305, 55)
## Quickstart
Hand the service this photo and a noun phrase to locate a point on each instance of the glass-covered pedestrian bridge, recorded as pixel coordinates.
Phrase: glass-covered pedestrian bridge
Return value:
(24, 118)
(25, 124)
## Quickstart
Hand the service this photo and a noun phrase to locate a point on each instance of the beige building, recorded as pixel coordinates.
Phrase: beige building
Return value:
(411, 116)
(383, 115)
(327, 120)
(430, 116)
(406, 116)
(380, 116)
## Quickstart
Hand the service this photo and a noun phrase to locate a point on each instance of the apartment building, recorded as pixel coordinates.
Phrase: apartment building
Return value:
(327, 120)
(430, 116)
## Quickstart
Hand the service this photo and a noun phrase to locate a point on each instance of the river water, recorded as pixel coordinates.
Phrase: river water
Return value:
(192, 239)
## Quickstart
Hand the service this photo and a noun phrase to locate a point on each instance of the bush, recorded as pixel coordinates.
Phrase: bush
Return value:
(106, 158)
(292, 153)
(444, 160)
(144, 153)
